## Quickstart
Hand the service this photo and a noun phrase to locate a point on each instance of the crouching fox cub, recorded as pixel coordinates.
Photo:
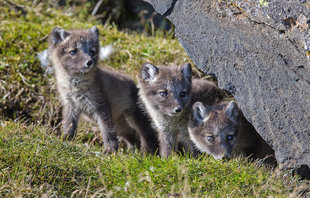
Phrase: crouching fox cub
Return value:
(221, 129)
(106, 97)
(167, 93)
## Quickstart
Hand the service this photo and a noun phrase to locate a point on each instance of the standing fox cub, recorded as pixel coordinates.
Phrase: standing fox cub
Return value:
(106, 97)
(221, 129)
(167, 94)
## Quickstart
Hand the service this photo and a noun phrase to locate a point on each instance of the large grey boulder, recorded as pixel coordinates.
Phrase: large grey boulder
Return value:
(258, 52)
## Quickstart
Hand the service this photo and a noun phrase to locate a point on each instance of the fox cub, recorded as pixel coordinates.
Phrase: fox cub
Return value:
(105, 97)
(221, 129)
(167, 94)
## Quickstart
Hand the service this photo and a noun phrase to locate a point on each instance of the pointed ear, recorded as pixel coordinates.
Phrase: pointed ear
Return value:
(200, 112)
(148, 71)
(186, 70)
(94, 32)
(58, 35)
(232, 111)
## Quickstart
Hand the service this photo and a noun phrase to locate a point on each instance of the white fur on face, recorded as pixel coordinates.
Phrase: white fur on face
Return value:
(201, 147)
(156, 116)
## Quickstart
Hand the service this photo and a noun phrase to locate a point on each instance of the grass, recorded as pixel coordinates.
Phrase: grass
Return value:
(34, 162)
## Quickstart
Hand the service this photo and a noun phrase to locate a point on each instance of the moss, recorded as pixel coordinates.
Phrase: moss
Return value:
(263, 3)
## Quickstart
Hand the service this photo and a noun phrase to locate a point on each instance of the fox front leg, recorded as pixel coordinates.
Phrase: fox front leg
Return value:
(70, 122)
(109, 137)
(148, 137)
(167, 143)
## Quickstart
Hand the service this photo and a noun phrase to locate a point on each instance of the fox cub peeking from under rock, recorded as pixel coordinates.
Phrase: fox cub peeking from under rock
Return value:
(106, 97)
(221, 130)
(167, 94)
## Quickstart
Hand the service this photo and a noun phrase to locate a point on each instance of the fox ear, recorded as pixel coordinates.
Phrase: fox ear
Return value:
(94, 32)
(187, 70)
(232, 111)
(58, 35)
(149, 71)
(200, 112)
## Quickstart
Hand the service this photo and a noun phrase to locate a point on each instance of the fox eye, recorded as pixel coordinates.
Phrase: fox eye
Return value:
(210, 139)
(92, 52)
(163, 94)
(182, 94)
(230, 137)
(73, 52)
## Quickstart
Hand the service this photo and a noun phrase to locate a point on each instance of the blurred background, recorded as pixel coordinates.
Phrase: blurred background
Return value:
(129, 15)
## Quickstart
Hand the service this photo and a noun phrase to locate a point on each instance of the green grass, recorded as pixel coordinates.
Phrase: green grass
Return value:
(34, 162)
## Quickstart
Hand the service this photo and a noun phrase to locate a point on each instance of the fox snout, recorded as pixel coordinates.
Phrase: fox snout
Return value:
(178, 109)
(89, 63)
(224, 155)
(178, 106)
(87, 66)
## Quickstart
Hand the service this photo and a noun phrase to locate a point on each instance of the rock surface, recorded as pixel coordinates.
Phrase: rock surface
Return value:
(258, 50)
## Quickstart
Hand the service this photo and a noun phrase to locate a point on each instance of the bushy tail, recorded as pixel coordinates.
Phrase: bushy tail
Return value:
(104, 54)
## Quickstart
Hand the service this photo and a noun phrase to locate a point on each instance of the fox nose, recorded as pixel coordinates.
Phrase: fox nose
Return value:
(89, 63)
(178, 109)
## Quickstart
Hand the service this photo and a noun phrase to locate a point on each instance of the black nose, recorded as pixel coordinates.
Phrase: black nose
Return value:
(178, 109)
(89, 63)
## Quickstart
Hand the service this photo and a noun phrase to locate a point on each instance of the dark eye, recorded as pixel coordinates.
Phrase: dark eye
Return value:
(182, 94)
(163, 94)
(230, 137)
(92, 52)
(210, 138)
(73, 52)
